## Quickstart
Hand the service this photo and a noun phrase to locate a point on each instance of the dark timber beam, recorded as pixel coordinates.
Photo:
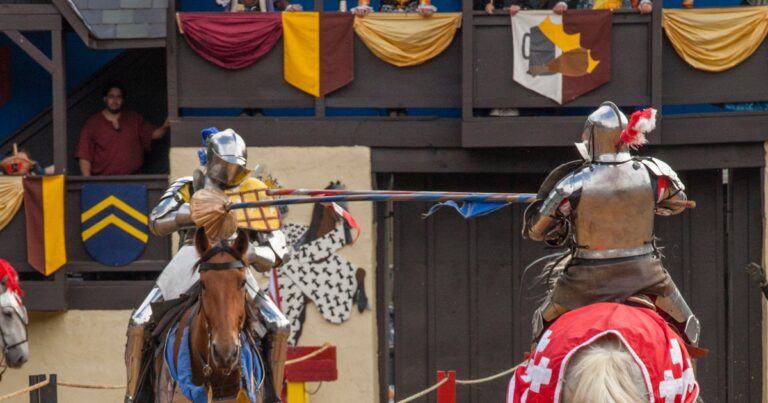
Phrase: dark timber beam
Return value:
(30, 49)
(543, 159)
(30, 22)
(406, 132)
(59, 102)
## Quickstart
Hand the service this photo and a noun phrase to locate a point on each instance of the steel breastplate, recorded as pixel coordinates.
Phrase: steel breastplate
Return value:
(615, 212)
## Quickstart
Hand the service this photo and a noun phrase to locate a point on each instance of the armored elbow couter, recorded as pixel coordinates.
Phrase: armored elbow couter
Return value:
(270, 250)
(171, 221)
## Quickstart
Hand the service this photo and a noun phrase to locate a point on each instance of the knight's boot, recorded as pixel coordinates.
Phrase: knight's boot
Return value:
(544, 316)
(134, 348)
(278, 353)
(677, 309)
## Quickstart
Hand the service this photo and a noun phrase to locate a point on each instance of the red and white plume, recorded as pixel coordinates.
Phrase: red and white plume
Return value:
(640, 124)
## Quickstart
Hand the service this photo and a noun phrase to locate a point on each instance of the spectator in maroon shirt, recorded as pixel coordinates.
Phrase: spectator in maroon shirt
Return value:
(113, 141)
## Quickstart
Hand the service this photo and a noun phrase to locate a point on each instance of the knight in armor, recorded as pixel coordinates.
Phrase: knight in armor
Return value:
(225, 170)
(602, 208)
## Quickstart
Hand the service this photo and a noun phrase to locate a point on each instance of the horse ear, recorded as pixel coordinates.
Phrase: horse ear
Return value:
(241, 242)
(201, 241)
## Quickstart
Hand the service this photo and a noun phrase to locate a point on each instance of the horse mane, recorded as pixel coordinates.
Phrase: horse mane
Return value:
(12, 282)
(604, 372)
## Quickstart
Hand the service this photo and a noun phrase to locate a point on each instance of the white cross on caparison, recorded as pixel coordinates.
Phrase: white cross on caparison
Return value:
(544, 341)
(538, 374)
(670, 387)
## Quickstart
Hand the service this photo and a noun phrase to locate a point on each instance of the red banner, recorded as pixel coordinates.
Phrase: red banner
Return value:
(231, 40)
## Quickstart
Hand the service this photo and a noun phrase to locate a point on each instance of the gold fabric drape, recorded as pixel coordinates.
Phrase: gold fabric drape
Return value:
(716, 39)
(11, 196)
(407, 39)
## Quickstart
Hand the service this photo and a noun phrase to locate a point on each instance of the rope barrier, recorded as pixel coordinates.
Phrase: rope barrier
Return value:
(461, 382)
(489, 378)
(89, 386)
(424, 392)
(325, 346)
(28, 389)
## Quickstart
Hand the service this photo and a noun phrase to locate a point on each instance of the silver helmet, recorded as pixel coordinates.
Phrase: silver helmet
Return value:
(602, 132)
(226, 158)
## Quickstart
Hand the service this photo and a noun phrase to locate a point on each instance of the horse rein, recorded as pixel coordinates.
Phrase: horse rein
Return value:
(203, 264)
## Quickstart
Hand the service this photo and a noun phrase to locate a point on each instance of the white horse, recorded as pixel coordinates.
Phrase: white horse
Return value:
(13, 322)
(606, 353)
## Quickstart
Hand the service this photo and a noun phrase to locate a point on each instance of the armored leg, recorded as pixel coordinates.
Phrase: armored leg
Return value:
(135, 343)
(134, 348)
(278, 329)
(675, 306)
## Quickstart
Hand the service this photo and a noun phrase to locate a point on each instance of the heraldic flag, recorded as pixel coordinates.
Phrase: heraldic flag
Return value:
(562, 56)
(318, 51)
(114, 222)
(44, 210)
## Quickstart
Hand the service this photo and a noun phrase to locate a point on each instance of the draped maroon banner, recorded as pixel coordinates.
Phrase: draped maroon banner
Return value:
(231, 40)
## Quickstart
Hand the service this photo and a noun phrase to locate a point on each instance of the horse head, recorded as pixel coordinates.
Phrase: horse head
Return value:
(222, 300)
(13, 322)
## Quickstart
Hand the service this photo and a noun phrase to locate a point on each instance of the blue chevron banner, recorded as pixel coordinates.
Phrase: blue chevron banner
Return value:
(113, 222)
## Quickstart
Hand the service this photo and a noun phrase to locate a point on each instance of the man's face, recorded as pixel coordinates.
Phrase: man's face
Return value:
(114, 100)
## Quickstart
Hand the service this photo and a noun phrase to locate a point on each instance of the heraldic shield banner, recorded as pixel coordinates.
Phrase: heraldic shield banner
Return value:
(562, 56)
(113, 222)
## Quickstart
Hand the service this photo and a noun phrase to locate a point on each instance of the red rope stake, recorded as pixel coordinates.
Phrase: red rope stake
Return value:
(446, 393)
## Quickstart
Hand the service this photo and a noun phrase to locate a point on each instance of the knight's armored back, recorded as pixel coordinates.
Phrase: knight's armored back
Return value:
(615, 212)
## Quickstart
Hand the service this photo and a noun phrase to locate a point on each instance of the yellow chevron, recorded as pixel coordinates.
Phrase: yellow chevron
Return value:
(113, 201)
(119, 223)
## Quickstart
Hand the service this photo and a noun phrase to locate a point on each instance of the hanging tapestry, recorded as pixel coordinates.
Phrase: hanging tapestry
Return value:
(114, 223)
(562, 56)
(231, 40)
(716, 39)
(318, 49)
(44, 210)
(407, 39)
(11, 196)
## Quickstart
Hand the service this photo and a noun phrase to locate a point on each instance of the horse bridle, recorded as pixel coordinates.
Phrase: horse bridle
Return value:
(201, 266)
(6, 346)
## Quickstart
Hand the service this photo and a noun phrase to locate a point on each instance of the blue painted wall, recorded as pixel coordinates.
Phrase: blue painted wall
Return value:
(31, 91)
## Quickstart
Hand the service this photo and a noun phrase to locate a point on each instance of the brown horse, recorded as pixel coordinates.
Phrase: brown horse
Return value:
(216, 327)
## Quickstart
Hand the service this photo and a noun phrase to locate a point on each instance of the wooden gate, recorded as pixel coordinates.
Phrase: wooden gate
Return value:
(462, 301)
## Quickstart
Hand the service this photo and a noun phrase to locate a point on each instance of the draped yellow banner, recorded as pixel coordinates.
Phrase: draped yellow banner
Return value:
(716, 39)
(407, 39)
(11, 196)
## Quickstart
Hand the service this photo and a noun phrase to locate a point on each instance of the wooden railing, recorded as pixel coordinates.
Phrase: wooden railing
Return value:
(84, 283)
(473, 75)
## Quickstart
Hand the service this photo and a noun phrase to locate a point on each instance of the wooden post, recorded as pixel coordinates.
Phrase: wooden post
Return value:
(446, 393)
(45, 394)
(59, 107)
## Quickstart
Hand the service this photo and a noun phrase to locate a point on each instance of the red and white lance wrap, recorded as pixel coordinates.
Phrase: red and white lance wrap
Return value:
(348, 218)
(657, 349)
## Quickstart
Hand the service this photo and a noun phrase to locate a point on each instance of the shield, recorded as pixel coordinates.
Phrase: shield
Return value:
(113, 222)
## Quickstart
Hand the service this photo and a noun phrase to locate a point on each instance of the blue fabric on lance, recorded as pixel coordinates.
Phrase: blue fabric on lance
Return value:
(467, 210)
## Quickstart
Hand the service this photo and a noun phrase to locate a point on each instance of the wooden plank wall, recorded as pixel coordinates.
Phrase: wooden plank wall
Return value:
(462, 303)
